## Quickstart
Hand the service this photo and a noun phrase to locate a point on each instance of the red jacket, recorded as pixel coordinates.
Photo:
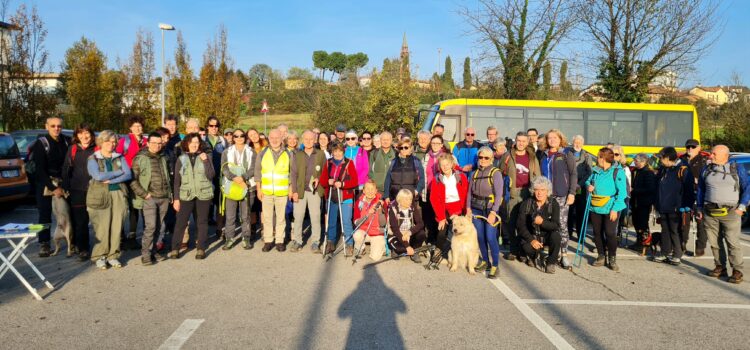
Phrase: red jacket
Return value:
(349, 178)
(133, 148)
(372, 225)
(437, 196)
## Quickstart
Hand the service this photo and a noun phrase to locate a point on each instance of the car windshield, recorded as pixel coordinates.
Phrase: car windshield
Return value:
(8, 148)
(24, 141)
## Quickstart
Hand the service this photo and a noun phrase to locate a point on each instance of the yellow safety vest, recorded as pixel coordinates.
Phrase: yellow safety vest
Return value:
(275, 176)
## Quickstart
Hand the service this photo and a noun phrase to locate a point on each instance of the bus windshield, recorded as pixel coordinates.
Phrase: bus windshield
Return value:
(429, 119)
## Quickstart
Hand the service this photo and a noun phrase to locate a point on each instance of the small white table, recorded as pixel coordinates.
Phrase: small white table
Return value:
(18, 241)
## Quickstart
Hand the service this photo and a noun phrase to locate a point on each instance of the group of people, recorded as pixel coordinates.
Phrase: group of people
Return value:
(395, 192)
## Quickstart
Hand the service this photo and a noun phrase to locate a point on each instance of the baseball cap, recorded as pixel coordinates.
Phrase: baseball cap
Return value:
(341, 128)
(692, 142)
(228, 131)
(400, 131)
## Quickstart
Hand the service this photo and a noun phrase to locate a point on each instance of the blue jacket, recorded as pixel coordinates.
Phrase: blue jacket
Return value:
(465, 154)
(605, 185)
(673, 192)
(744, 183)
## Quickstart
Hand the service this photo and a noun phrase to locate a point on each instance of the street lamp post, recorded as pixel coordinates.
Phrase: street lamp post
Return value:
(163, 27)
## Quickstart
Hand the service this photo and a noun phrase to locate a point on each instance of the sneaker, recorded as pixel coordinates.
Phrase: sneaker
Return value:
(330, 248)
(316, 248)
(672, 261)
(114, 263)
(146, 261)
(247, 244)
(493, 273)
(267, 247)
(101, 264)
(613, 264)
(416, 259)
(294, 247)
(736, 277)
(599, 261)
(510, 256)
(173, 254)
(200, 254)
(550, 268)
(227, 245)
(159, 257)
(159, 246)
(564, 262)
(44, 250)
(531, 262)
(718, 271)
(482, 266)
(280, 247)
(349, 251)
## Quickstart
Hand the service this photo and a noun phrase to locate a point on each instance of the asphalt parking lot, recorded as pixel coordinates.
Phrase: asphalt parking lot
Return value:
(249, 299)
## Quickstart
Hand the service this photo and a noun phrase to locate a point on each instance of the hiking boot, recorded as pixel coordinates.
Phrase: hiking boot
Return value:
(83, 256)
(531, 263)
(173, 254)
(114, 263)
(550, 268)
(316, 248)
(227, 245)
(510, 256)
(294, 247)
(482, 266)
(564, 262)
(280, 247)
(672, 261)
(599, 261)
(718, 271)
(349, 251)
(613, 264)
(493, 273)
(247, 244)
(736, 277)
(330, 248)
(522, 259)
(699, 252)
(416, 259)
(159, 257)
(146, 261)
(101, 264)
(200, 254)
(267, 247)
(44, 250)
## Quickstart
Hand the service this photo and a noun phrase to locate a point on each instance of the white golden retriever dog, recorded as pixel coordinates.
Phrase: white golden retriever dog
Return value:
(464, 251)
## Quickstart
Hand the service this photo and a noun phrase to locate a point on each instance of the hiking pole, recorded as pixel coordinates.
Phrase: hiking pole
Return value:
(341, 219)
(339, 249)
(582, 235)
(362, 246)
(328, 210)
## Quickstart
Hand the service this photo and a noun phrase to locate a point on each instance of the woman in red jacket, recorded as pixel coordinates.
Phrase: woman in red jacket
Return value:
(339, 181)
(448, 198)
(368, 214)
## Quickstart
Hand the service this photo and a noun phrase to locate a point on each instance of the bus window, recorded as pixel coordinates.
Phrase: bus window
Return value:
(599, 131)
(623, 128)
(451, 128)
(669, 128)
(570, 122)
(507, 121)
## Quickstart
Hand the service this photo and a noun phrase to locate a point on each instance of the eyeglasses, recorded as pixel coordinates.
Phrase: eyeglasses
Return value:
(351, 139)
(56, 126)
(403, 148)
(366, 138)
(213, 125)
(239, 136)
(484, 158)
(691, 147)
(468, 134)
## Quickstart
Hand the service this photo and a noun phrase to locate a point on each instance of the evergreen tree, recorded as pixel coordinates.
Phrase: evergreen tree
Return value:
(467, 73)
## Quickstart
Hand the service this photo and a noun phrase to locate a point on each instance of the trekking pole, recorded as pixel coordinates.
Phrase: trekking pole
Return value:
(362, 246)
(341, 219)
(582, 235)
(328, 210)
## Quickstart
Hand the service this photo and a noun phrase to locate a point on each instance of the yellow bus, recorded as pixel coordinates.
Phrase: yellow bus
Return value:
(638, 127)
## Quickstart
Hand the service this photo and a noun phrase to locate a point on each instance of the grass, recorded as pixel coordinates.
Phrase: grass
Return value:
(298, 122)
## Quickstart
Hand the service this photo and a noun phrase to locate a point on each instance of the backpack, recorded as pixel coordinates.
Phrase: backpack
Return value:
(483, 204)
(711, 168)
(30, 165)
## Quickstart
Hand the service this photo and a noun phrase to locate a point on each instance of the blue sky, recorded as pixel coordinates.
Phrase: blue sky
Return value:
(284, 33)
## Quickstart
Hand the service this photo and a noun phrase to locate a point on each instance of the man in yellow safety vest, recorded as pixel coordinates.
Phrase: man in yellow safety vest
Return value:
(274, 189)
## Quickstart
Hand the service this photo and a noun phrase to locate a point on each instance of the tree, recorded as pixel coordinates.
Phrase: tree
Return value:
(218, 89)
(85, 86)
(641, 39)
(467, 74)
(355, 62)
(297, 73)
(260, 76)
(336, 63)
(320, 61)
(390, 104)
(566, 87)
(140, 81)
(181, 81)
(24, 101)
(448, 74)
(521, 38)
(546, 80)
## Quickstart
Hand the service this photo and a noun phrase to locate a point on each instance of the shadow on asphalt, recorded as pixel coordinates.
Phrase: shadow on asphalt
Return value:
(373, 308)
(316, 308)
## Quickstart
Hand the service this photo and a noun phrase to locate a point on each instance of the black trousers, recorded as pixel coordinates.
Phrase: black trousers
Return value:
(415, 241)
(430, 224)
(44, 206)
(580, 209)
(79, 218)
(605, 232)
(199, 210)
(133, 216)
(641, 215)
(551, 239)
(670, 234)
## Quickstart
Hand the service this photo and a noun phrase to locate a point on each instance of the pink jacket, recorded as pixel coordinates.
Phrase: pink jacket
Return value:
(133, 148)
(361, 163)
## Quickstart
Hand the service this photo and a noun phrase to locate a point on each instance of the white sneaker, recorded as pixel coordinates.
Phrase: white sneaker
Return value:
(101, 264)
(114, 263)
(564, 262)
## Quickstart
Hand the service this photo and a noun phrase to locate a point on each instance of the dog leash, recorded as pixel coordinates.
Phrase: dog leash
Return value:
(497, 221)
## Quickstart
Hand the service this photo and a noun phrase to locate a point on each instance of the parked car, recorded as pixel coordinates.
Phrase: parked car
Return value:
(25, 138)
(14, 183)
(743, 162)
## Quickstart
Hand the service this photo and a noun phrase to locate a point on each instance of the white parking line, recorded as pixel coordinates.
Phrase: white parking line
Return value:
(555, 338)
(181, 335)
(636, 303)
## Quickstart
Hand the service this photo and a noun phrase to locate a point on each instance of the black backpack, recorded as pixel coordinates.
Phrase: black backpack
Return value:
(30, 165)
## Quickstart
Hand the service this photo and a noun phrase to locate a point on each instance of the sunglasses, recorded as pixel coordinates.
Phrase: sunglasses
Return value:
(691, 147)
(351, 139)
(366, 138)
(484, 158)
(239, 136)
(213, 125)
(617, 154)
(403, 148)
(467, 134)
(56, 126)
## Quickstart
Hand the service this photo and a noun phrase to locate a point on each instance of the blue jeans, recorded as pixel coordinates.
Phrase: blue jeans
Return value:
(333, 217)
(487, 234)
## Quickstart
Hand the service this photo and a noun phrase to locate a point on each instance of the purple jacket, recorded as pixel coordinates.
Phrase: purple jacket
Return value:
(361, 162)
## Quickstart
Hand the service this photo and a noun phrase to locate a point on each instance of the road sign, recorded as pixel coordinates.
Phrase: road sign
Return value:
(264, 108)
